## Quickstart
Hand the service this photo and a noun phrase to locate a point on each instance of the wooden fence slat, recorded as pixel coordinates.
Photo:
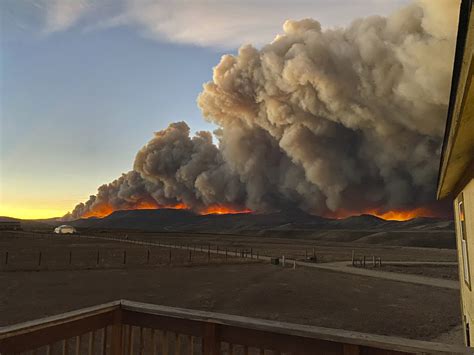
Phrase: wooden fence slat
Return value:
(142, 341)
(116, 341)
(78, 344)
(130, 340)
(350, 349)
(177, 344)
(210, 339)
(104, 341)
(191, 344)
(154, 352)
(164, 343)
(91, 343)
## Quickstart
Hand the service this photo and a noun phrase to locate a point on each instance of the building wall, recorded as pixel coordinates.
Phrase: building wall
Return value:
(466, 259)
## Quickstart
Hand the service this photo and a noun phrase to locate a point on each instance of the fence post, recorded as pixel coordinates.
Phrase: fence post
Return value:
(148, 256)
(373, 261)
(170, 256)
(364, 260)
(39, 258)
(124, 257)
(352, 257)
(306, 254)
(251, 253)
(283, 261)
(6, 258)
(226, 253)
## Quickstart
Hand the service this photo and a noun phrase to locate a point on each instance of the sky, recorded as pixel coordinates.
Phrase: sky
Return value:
(84, 84)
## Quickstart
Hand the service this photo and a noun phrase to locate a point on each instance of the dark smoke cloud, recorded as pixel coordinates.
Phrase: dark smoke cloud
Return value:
(349, 118)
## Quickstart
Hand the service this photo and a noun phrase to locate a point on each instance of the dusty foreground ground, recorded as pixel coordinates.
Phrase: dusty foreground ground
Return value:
(449, 272)
(304, 296)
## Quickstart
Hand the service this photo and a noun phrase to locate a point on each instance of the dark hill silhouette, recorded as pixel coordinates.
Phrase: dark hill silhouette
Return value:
(364, 229)
(185, 220)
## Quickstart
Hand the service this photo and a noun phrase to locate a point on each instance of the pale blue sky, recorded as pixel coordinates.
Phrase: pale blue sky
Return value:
(85, 83)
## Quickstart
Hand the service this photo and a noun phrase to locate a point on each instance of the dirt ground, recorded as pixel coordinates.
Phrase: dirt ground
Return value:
(295, 247)
(262, 291)
(23, 251)
(449, 272)
(305, 296)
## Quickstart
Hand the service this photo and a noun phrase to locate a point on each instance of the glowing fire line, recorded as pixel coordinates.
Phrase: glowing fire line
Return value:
(393, 215)
(105, 210)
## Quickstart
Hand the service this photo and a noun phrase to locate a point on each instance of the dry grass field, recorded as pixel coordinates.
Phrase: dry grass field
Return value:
(233, 285)
(292, 247)
(449, 272)
(35, 252)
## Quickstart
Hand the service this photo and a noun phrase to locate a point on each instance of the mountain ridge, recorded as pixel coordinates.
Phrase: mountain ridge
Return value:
(185, 220)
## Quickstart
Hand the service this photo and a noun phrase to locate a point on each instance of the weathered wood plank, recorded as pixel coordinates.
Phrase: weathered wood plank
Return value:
(211, 340)
(90, 346)
(104, 341)
(42, 335)
(78, 345)
(154, 321)
(213, 328)
(339, 336)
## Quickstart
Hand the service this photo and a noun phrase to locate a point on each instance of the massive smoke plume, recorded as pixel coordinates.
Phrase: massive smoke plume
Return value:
(347, 119)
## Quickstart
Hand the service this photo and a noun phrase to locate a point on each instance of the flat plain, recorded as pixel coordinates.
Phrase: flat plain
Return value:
(215, 283)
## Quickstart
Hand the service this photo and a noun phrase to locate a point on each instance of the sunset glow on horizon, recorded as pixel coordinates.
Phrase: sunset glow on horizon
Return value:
(24, 212)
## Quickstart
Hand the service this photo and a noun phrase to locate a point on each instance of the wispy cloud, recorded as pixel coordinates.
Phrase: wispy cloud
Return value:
(210, 23)
(228, 24)
(63, 14)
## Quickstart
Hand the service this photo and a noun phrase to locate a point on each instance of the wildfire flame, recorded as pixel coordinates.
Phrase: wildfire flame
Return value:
(218, 209)
(99, 211)
(394, 215)
(403, 215)
(104, 210)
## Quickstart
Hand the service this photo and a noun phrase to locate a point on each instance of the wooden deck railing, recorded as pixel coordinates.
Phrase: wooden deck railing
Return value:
(126, 328)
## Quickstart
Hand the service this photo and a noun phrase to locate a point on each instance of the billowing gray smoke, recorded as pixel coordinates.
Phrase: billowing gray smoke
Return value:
(341, 119)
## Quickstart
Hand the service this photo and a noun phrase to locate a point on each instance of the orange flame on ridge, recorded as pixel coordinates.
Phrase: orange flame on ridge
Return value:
(403, 215)
(103, 210)
(220, 209)
(394, 215)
